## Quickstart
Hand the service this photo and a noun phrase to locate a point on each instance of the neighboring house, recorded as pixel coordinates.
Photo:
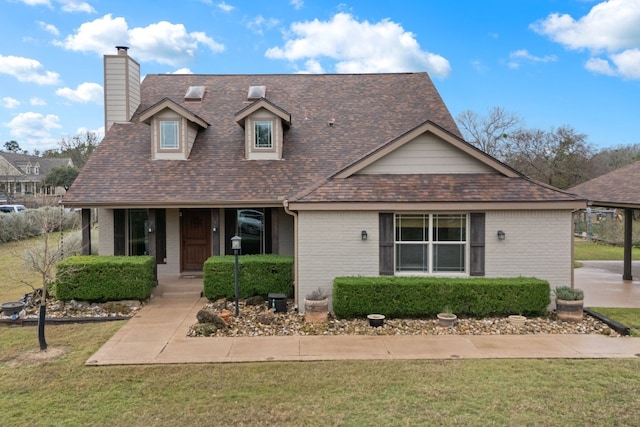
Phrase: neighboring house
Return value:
(21, 174)
(354, 174)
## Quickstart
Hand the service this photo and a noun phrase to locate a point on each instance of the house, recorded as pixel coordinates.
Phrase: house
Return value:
(353, 174)
(21, 174)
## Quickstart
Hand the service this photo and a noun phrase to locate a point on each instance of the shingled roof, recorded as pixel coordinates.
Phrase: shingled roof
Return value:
(336, 120)
(618, 188)
(18, 160)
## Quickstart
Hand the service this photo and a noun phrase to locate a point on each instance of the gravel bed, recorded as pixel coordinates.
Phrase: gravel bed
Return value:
(259, 321)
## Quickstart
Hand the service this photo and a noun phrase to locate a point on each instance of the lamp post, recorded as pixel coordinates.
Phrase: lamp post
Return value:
(236, 245)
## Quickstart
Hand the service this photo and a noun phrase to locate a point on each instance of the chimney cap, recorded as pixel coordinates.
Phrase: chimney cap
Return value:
(122, 49)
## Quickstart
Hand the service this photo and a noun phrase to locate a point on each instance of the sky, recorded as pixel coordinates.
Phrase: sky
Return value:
(552, 63)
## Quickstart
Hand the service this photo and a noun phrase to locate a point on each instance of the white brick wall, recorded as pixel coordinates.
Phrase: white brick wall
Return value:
(172, 267)
(330, 245)
(105, 236)
(537, 243)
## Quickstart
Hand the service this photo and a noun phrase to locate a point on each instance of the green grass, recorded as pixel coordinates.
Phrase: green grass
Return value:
(627, 316)
(586, 251)
(64, 392)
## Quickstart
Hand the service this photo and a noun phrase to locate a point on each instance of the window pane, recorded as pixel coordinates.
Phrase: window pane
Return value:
(263, 135)
(138, 232)
(168, 134)
(448, 258)
(449, 228)
(411, 228)
(412, 257)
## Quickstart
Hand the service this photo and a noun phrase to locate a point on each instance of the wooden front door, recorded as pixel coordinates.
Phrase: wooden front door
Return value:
(195, 231)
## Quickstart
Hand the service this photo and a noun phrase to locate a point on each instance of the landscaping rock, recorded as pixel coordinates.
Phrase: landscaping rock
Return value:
(254, 300)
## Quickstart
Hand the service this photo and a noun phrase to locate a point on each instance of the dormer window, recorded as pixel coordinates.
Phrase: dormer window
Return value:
(169, 135)
(263, 134)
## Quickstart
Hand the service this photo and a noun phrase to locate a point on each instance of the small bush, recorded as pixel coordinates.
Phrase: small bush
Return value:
(568, 293)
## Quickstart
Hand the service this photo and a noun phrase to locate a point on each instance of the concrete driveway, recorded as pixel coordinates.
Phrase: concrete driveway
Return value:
(603, 286)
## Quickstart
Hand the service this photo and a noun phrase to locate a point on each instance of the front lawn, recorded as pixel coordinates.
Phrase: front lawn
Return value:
(627, 316)
(588, 251)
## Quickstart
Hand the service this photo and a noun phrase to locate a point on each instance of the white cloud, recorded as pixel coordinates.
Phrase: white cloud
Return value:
(76, 6)
(84, 93)
(225, 7)
(611, 27)
(37, 2)
(33, 130)
(50, 28)
(37, 102)
(182, 71)
(8, 102)
(518, 56)
(359, 47)
(98, 132)
(297, 4)
(162, 42)
(260, 23)
(27, 70)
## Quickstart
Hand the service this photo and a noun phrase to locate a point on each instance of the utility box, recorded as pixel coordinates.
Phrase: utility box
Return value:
(278, 302)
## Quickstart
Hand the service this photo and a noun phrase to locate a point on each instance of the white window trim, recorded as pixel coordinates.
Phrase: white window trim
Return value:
(162, 146)
(257, 123)
(430, 244)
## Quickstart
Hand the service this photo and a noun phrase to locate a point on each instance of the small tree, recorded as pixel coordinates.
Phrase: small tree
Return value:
(42, 259)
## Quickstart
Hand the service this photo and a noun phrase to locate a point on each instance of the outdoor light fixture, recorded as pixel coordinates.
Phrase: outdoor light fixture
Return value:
(236, 246)
(501, 235)
(363, 234)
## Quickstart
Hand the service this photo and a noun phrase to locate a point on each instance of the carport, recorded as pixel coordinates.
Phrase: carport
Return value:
(617, 189)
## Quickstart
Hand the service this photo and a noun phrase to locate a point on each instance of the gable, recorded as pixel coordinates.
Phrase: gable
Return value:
(426, 154)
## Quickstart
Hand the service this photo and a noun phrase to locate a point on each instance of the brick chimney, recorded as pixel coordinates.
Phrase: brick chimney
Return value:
(121, 87)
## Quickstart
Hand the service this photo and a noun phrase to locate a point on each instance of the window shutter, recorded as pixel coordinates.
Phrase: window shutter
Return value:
(118, 232)
(476, 256)
(386, 243)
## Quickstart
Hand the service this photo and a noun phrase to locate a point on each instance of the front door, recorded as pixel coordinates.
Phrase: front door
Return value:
(195, 230)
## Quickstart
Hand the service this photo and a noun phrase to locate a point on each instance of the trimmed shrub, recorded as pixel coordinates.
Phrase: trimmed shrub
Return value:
(104, 278)
(257, 275)
(400, 297)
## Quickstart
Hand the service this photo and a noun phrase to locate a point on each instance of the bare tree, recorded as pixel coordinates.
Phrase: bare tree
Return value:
(489, 133)
(78, 148)
(558, 157)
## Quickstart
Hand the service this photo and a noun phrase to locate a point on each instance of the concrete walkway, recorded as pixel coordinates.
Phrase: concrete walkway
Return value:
(157, 334)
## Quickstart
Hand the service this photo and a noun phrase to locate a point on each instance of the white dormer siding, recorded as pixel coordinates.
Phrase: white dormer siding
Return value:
(186, 135)
(265, 148)
(121, 87)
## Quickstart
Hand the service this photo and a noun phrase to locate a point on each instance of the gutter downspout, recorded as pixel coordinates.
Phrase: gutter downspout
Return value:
(285, 204)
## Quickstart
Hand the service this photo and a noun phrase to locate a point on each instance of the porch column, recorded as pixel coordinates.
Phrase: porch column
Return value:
(628, 244)
(86, 231)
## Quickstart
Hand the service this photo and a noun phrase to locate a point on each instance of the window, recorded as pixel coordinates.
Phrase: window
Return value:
(263, 134)
(431, 243)
(168, 134)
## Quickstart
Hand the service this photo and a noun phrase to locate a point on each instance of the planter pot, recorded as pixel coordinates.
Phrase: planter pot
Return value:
(316, 311)
(447, 319)
(517, 320)
(225, 315)
(12, 307)
(376, 320)
(569, 310)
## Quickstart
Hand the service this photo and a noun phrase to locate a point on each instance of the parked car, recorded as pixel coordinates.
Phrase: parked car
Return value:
(12, 208)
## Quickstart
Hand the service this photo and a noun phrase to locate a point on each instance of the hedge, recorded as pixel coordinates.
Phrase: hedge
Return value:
(104, 278)
(427, 296)
(258, 275)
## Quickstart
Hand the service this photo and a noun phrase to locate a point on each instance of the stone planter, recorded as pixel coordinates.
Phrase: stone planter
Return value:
(316, 311)
(12, 307)
(517, 320)
(569, 310)
(447, 320)
(376, 320)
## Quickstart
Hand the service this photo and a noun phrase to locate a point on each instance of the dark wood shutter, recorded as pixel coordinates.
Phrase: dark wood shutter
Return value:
(386, 243)
(119, 228)
(476, 256)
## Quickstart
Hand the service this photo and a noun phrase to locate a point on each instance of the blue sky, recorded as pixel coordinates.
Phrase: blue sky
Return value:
(551, 62)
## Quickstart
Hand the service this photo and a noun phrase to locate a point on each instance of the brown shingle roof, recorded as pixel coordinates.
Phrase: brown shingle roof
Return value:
(617, 188)
(435, 188)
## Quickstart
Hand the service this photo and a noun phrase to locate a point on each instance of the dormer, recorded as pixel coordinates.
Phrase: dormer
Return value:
(263, 123)
(173, 130)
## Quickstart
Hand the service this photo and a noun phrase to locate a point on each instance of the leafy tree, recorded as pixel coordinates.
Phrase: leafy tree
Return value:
(78, 148)
(12, 147)
(489, 133)
(61, 176)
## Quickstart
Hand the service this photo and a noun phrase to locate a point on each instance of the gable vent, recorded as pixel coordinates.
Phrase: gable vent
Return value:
(194, 93)
(256, 92)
